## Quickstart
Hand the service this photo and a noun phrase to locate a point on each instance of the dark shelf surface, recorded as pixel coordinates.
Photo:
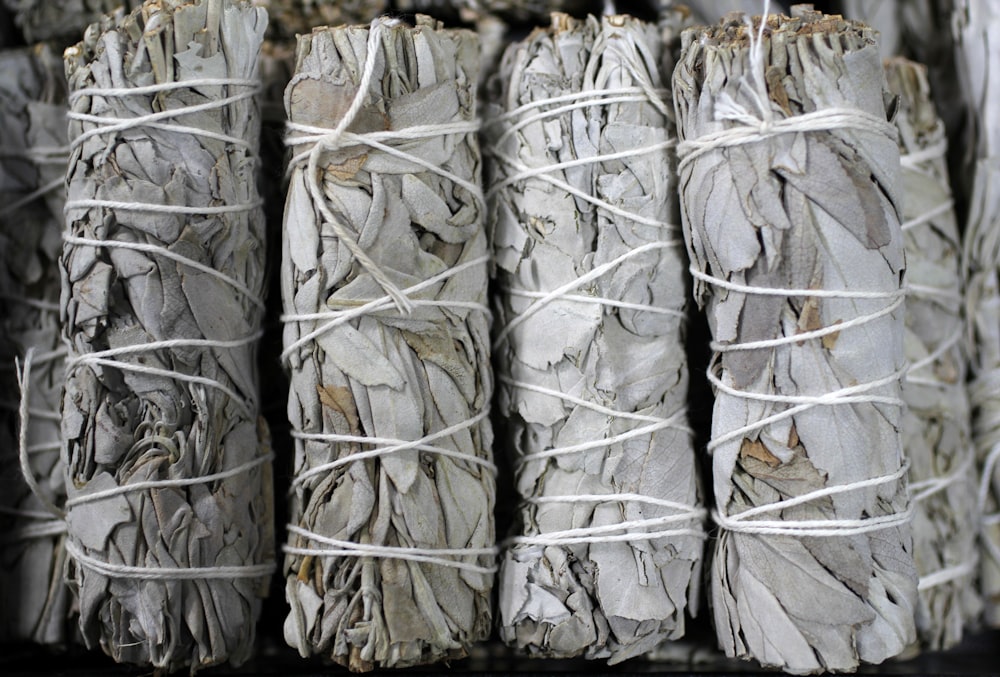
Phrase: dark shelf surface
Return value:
(979, 654)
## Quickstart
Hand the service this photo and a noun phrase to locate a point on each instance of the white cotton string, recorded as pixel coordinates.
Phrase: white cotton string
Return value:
(47, 528)
(753, 130)
(924, 489)
(632, 530)
(593, 406)
(24, 385)
(796, 293)
(559, 292)
(112, 570)
(809, 335)
(853, 394)
(948, 574)
(166, 253)
(105, 358)
(439, 556)
(940, 351)
(641, 431)
(392, 447)
(597, 300)
(37, 304)
(600, 203)
(377, 141)
(42, 191)
(155, 208)
(40, 155)
(338, 317)
(743, 522)
(579, 162)
(111, 125)
(131, 487)
(33, 412)
(929, 215)
(331, 141)
(935, 151)
(40, 358)
(574, 101)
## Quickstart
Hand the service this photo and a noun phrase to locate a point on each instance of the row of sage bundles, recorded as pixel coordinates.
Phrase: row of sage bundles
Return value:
(35, 603)
(591, 300)
(390, 559)
(169, 505)
(789, 176)
(390, 554)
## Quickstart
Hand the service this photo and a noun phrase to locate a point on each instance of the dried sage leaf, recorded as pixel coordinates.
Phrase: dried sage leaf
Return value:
(169, 503)
(36, 605)
(591, 302)
(937, 432)
(390, 555)
(977, 41)
(789, 176)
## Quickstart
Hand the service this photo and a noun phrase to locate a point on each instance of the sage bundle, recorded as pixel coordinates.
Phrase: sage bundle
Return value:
(977, 27)
(592, 373)
(390, 555)
(936, 428)
(789, 176)
(169, 505)
(36, 605)
(63, 21)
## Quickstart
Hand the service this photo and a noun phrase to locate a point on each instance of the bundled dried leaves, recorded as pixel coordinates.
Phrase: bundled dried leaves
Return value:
(977, 26)
(936, 426)
(591, 301)
(391, 543)
(789, 178)
(170, 509)
(36, 604)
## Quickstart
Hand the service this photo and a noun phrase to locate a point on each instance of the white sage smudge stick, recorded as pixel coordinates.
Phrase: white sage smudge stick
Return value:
(63, 21)
(936, 430)
(169, 505)
(789, 176)
(35, 603)
(591, 300)
(390, 555)
(977, 41)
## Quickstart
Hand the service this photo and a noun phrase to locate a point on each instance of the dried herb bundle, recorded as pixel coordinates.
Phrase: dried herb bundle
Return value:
(391, 545)
(593, 375)
(169, 476)
(977, 27)
(936, 427)
(63, 21)
(789, 179)
(36, 605)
